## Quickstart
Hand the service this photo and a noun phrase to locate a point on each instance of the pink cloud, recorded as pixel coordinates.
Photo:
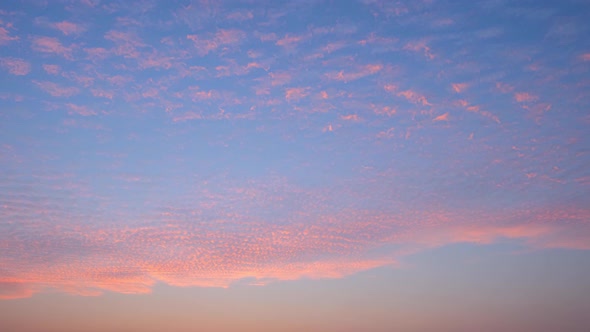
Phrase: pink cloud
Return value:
(80, 110)
(414, 97)
(389, 133)
(83, 80)
(240, 16)
(57, 90)
(350, 117)
(5, 36)
(52, 69)
(315, 243)
(69, 28)
(201, 95)
(221, 38)
(459, 87)
(477, 109)
(504, 88)
(150, 93)
(390, 87)
(421, 47)
(292, 94)
(15, 66)
(333, 46)
(119, 80)
(374, 39)
(355, 75)
(279, 78)
(52, 46)
(265, 37)
(97, 53)
(523, 97)
(585, 57)
(289, 41)
(126, 43)
(103, 93)
(442, 117)
(385, 110)
(187, 116)
(155, 61)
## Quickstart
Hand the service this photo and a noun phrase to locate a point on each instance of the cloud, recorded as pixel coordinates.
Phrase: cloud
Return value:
(355, 75)
(523, 97)
(390, 87)
(208, 43)
(414, 97)
(127, 44)
(51, 69)
(293, 94)
(477, 109)
(97, 53)
(52, 45)
(240, 16)
(15, 66)
(420, 47)
(69, 28)
(289, 41)
(5, 36)
(187, 116)
(185, 248)
(57, 90)
(459, 87)
(442, 117)
(80, 110)
(504, 88)
(350, 117)
(585, 57)
(384, 110)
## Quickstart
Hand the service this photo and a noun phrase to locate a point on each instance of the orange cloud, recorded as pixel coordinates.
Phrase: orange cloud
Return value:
(173, 249)
(442, 117)
(477, 109)
(459, 87)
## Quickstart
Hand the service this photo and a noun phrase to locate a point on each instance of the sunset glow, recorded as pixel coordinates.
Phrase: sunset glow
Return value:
(156, 149)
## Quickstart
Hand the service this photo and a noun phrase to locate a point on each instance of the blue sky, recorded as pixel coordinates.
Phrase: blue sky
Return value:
(152, 148)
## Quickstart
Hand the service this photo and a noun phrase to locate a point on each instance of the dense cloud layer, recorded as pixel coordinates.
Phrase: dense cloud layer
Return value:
(208, 143)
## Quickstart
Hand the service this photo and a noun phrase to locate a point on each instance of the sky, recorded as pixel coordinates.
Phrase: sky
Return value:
(313, 165)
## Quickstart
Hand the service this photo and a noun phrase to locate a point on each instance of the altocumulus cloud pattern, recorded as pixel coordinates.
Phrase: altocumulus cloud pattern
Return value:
(203, 143)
